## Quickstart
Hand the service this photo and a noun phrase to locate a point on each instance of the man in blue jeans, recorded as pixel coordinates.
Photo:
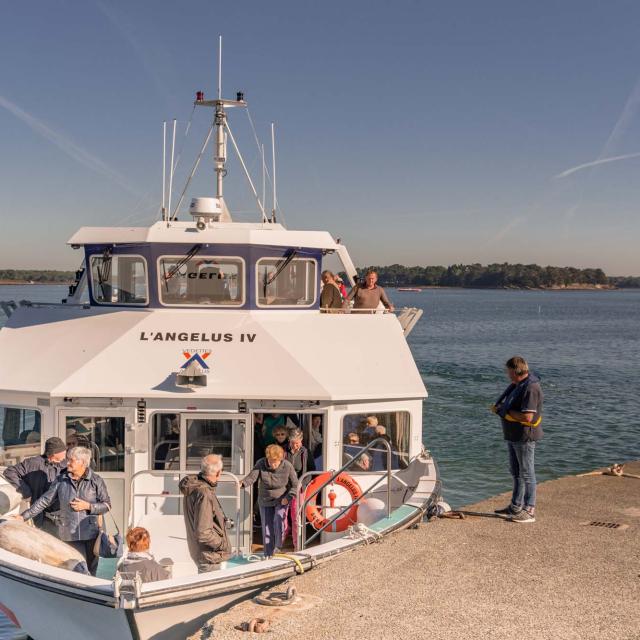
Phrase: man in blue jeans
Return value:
(520, 411)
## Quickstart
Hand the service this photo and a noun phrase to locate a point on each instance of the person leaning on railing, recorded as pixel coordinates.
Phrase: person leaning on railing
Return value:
(330, 296)
(369, 295)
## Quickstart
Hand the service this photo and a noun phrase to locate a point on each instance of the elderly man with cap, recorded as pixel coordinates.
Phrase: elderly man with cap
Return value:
(33, 476)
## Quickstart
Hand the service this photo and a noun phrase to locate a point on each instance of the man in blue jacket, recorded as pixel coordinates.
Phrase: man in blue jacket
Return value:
(82, 495)
(520, 411)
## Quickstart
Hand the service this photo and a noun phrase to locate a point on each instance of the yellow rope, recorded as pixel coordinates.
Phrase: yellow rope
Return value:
(299, 566)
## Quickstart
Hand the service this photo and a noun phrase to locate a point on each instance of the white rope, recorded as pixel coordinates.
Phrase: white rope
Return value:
(360, 531)
(193, 170)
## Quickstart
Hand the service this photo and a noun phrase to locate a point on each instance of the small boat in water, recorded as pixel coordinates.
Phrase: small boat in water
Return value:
(175, 341)
(416, 289)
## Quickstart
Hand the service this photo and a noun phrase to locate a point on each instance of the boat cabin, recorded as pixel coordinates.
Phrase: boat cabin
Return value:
(177, 341)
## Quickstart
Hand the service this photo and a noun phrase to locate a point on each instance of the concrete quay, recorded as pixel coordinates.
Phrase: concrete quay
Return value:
(558, 578)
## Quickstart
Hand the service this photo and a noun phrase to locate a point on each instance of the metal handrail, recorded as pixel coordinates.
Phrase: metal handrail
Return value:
(302, 505)
(231, 477)
(347, 310)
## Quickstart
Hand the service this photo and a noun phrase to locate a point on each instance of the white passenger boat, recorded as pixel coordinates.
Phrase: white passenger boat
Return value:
(175, 342)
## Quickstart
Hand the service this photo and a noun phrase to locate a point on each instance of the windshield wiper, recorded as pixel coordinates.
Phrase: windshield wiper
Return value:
(104, 272)
(178, 265)
(280, 267)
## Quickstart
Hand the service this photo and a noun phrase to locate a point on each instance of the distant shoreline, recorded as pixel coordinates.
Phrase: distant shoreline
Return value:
(26, 283)
(577, 287)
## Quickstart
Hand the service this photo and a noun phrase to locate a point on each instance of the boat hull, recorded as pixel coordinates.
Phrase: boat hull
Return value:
(55, 604)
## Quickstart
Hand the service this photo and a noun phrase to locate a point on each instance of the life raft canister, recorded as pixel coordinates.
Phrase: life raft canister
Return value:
(313, 512)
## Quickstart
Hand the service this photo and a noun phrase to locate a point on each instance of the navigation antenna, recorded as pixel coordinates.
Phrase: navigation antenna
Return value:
(222, 130)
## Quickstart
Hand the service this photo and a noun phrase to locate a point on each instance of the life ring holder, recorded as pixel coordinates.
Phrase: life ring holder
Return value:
(314, 514)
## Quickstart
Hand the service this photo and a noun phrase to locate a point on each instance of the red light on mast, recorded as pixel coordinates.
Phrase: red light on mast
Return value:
(199, 96)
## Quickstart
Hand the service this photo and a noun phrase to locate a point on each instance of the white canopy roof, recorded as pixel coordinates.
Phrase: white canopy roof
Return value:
(215, 233)
(278, 355)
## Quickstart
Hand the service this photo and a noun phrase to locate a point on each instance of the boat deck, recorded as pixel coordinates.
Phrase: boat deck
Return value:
(483, 577)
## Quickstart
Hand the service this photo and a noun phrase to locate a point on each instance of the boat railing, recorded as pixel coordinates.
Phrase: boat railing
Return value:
(225, 477)
(407, 316)
(303, 503)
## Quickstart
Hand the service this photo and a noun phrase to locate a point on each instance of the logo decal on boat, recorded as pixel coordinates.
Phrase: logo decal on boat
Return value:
(197, 357)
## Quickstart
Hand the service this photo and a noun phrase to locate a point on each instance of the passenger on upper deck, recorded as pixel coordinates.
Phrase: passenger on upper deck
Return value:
(369, 295)
(33, 476)
(139, 560)
(204, 518)
(330, 297)
(340, 284)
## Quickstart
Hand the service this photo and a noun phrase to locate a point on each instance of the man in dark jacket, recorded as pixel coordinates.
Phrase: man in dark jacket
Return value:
(33, 476)
(520, 411)
(83, 497)
(204, 517)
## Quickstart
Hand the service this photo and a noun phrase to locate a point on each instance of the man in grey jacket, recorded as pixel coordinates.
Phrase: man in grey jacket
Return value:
(83, 497)
(204, 517)
(33, 476)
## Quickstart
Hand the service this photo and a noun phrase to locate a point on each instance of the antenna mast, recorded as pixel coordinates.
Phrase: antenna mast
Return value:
(173, 145)
(164, 169)
(273, 166)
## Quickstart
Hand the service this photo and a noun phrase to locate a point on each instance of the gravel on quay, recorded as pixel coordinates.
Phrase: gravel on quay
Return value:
(555, 579)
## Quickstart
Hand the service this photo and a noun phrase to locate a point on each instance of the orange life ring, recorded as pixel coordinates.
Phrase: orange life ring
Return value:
(314, 514)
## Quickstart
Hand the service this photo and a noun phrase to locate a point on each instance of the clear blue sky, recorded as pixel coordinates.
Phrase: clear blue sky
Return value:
(420, 132)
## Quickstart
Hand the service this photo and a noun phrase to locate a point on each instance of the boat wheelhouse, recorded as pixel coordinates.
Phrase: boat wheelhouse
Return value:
(176, 341)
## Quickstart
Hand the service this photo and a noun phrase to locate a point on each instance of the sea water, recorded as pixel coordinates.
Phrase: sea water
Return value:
(585, 345)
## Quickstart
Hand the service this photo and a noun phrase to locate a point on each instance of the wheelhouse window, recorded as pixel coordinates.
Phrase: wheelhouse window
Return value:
(360, 429)
(103, 436)
(286, 282)
(202, 281)
(119, 279)
(20, 434)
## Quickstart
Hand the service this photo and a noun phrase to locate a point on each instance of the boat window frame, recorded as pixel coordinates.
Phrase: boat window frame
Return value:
(375, 412)
(291, 305)
(195, 305)
(24, 408)
(214, 414)
(94, 300)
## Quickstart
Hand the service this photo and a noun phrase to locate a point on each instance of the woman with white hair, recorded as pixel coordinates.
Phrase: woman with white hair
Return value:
(83, 497)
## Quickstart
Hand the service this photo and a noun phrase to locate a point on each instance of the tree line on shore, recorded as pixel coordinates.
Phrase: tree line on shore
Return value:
(497, 276)
(457, 275)
(34, 275)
